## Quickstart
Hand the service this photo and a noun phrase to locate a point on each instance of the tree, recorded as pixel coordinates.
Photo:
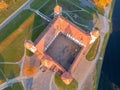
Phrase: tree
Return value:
(102, 3)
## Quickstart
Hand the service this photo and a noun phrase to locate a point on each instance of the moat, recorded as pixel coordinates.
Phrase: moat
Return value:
(110, 74)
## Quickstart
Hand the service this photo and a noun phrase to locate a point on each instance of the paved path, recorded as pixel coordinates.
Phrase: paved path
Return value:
(24, 6)
(11, 81)
(41, 15)
(41, 81)
(104, 26)
(8, 63)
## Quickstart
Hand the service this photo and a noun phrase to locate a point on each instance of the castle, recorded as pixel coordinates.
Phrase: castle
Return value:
(62, 46)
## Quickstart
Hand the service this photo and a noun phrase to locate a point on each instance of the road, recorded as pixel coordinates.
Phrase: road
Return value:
(24, 6)
(41, 81)
(104, 26)
(8, 63)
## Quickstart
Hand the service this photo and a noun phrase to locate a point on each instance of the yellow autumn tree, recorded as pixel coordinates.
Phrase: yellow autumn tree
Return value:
(2, 81)
(29, 71)
(3, 5)
(102, 3)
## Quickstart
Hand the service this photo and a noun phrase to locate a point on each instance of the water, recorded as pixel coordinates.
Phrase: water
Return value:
(110, 74)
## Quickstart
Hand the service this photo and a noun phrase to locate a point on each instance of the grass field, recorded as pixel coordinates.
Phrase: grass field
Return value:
(63, 86)
(26, 25)
(15, 86)
(93, 50)
(79, 15)
(89, 9)
(10, 71)
(2, 77)
(14, 25)
(12, 7)
(36, 4)
(12, 39)
(71, 11)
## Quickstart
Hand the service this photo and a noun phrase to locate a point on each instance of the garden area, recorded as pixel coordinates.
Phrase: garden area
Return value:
(79, 15)
(93, 50)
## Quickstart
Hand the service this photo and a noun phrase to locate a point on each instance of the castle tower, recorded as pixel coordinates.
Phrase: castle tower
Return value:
(57, 10)
(30, 46)
(94, 35)
(66, 78)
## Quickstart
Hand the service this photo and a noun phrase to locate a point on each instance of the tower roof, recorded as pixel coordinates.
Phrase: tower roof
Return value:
(96, 33)
(58, 9)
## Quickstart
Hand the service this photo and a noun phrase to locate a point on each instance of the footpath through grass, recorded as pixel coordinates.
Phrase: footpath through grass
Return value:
(26, 25)
(12, 7)
(93, 50)
(62, 86)
(12, 36)
(15, 86)
(9, 71)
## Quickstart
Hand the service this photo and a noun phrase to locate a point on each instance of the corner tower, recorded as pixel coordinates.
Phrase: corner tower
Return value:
(57, 10)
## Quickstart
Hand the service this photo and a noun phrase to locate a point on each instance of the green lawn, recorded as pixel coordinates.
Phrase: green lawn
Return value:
(14, 24)
(62, 86)
(14, 50)
(93, 50)
(89, 9)
(10, 71)
(82, 18)
(15, 86)
(2, 77)
(12, 7)
(36, 4)
(30, 25)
